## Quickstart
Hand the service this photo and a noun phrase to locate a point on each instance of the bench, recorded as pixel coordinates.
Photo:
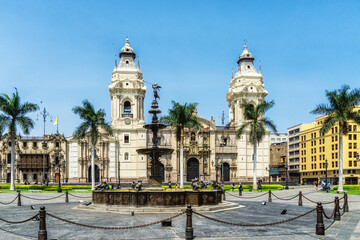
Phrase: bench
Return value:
(37, 191)
(80, 191)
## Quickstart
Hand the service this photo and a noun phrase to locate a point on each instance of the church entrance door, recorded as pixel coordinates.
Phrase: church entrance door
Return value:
(192, 169)
(226, 171)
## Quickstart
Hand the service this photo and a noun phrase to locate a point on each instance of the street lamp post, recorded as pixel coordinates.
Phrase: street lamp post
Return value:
(326, 181)
(268, 169)
(217, 169)
(287, 179)
(59, 165)
(222, 164)
(44, 115)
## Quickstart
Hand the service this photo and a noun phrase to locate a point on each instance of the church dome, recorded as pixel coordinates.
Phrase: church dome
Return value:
(127, 50)
(245, 55)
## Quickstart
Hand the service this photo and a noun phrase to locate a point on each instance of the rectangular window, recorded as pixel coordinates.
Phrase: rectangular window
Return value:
(332, 130)
(126, 138)
(319, 149)
(336, 138)
(332, 156)
(314, 158)
(323, 148)
(24, 144)
(349, 128)
(314, 143)
(332, 164)
(332, 147)
(350, 163)
(355, 137)
(355, 163)
(9, 158)
(350, 154)
(311, 143)
(350, 145)
(350, 137)
(314, 135)
(336, 129)
(336, 164)
(336, 147)
(354, 128)
(355, 145)
(336, 155)
(304, 144)
(34, 144)
(323, 140)
(332, 139)
(314, 150)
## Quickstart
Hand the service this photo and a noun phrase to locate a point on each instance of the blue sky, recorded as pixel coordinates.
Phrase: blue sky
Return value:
(61, 52)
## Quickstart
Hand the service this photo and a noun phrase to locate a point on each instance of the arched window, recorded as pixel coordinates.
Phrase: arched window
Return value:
(192, 136)
(127, 107)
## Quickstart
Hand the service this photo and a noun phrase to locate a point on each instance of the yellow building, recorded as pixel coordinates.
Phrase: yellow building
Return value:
(317, 150)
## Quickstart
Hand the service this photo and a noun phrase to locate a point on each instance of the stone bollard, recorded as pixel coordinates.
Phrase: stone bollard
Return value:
(320, 227)
(346, 206)
(269, 200)
(19, 199)
(42, 234)
(66, 196)
(300, 198)
(189, 231)
(337, 216)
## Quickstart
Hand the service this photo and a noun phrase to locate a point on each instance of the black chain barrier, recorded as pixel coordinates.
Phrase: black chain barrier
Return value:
(332, 214)
(254, 225)
(316, 202)
(43, 199)
(17, 222)
(285, 199)
(247, 197)
(114, 228)
(79, 196)
(9, 202)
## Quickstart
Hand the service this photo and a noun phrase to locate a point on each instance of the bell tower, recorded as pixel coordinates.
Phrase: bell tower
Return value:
(127, 91)
(246, 86)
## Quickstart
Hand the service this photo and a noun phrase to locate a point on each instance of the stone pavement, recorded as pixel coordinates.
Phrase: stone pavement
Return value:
(253, 212)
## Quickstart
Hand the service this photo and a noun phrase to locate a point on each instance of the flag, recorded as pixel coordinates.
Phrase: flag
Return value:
(56, 121)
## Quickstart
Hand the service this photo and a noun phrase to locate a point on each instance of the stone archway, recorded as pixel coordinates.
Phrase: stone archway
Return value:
(226, 171)
(97, 174)
(192, 169)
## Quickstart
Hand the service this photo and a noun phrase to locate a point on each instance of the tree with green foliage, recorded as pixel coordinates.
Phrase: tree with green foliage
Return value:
(92, 121)
(181, 117)
(255, 125)
(13, 114)
(339, 110)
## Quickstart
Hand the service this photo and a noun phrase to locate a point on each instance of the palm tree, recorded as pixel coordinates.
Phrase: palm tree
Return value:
(92, 122)
(255, 123)
(339, 110)
(13, 114)
(181, 117)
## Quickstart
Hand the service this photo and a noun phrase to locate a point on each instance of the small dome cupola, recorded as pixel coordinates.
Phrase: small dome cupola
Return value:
(246, 55)
(127, 50)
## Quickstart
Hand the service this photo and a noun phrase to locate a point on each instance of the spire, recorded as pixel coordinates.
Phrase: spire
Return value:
(245, 54)
(127, 50)
(138, 63)
(260, 66)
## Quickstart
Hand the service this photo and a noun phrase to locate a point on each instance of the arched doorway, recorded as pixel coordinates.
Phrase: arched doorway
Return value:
(162, 172)
(192, 169)
(226, 171)
(97, 174)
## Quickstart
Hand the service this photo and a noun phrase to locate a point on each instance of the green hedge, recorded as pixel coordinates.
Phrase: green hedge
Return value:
(245, 186)
(348, 187)
(45, 188)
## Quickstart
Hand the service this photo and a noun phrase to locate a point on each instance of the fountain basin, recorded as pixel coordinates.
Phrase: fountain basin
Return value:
(157, 198)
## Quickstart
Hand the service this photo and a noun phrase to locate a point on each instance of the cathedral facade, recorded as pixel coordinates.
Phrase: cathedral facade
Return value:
(210, 153)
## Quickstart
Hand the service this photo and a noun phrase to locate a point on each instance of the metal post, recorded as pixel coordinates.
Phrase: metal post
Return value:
(42, 234)
(269, 200)
(189, 232)
(19, 199)
(67, 196)
(337, 216)
(320, 227)
(287, 180)
(59, 189)
(326, 181)
(346, 206)
(300, 198)
(224, 194)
